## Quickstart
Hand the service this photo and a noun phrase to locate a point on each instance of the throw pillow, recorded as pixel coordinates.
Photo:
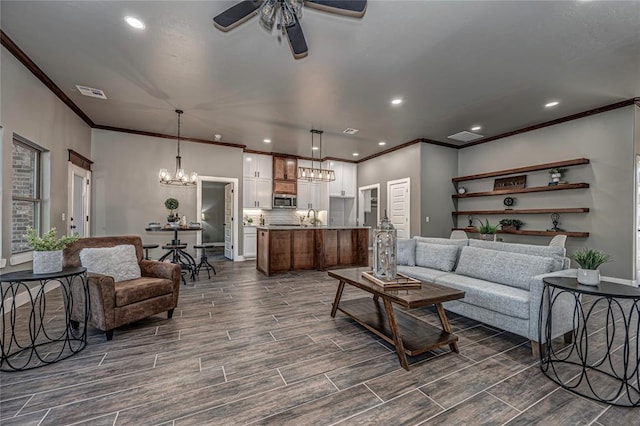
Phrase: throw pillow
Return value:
(406, 252)
(437, 256)
(119, 262)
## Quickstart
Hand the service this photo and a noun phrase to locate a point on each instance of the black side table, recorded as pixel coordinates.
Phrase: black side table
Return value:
(43, 335)
(603, 362)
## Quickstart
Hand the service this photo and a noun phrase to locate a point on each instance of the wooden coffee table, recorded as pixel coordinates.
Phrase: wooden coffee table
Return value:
(409, 334)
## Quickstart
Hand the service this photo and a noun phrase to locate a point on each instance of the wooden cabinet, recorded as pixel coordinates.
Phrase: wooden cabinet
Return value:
(250, 240)
(285, 175)
(257, 182)
(345, 184)
(342, 248)
(534, 189)
(274, 251)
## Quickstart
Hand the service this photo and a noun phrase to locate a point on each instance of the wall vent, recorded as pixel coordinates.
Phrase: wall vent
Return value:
(350, 131)
(91, 92)
(465, 136)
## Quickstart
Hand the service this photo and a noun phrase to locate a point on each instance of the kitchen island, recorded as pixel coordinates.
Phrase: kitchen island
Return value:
(295, 248)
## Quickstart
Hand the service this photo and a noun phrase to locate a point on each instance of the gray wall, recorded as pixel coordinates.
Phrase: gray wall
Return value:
(398, 164)
(608, 141)
(126, 192)
(213, 210)
(31, 110)
(438, 166)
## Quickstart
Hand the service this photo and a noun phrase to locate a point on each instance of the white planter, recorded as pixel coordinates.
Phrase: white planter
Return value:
(47, 262)
(588, 276)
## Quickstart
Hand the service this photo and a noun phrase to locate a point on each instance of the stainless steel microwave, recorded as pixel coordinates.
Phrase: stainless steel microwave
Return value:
(284, 201)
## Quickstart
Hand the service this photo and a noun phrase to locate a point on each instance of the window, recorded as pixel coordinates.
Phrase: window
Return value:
(26, 201)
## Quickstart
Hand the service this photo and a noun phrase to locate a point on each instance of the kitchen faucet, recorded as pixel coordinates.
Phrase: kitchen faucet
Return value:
(315, 215)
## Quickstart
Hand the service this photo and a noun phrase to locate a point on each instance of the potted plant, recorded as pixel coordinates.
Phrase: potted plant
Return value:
(47, 250)
(589, 260)
(172, 204)
(511, 224)
(486, 230)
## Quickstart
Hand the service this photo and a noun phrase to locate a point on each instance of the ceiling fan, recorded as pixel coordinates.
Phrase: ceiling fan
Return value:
(287, 13)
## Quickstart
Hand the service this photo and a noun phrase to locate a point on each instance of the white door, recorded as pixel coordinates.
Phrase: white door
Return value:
(398, 205)
(228, 221)
(79, 202)
(264, 188)
(249, 193)
(349, 179)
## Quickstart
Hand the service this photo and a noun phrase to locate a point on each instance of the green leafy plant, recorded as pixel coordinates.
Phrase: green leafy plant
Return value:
(171, 204)
(589, 258)
(48, 241)
(486, 227)
(556, 170)
(506, 223)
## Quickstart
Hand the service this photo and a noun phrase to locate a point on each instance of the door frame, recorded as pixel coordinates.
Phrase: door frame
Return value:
(361, 189)
(236, 228)
(406, 180)
(71, 170)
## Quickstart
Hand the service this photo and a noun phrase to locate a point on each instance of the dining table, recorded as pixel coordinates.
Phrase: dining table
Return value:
(175, 250)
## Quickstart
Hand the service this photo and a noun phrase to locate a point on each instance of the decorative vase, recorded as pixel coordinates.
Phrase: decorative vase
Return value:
(588, 276)
(488, 237)
(384, 250)
(173, 218)
(47, 262)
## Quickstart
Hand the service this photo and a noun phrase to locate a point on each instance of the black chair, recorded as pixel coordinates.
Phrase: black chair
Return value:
(147, 247)
(182, 258)
(204, 262)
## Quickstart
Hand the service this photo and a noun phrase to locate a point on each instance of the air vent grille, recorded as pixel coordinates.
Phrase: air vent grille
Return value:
(465, 136)
(350, 131)
(91, 92)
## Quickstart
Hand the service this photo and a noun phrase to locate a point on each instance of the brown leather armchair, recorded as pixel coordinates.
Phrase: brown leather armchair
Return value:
(115, 304)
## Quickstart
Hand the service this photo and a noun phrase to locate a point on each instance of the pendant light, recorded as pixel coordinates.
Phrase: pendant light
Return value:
(180, 178)
(316, 174)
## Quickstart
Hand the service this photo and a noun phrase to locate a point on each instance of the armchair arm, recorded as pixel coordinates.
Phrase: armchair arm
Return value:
(102, 296)
(562, 308)
(169, 271)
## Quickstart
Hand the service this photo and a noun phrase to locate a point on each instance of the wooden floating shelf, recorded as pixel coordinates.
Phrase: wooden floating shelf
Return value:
(523, 211)
(535, 233)
(523, 190)
(546, 166)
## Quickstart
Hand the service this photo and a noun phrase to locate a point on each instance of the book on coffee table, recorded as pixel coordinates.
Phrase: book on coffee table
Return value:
(402, 282)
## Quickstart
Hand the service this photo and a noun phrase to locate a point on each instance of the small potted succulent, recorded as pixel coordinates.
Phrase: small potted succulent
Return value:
(486, 230)
(172, 204)
(47, 250)
(589, 260)
(510, 224)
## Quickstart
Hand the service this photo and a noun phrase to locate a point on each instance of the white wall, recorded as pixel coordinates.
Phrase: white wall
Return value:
(31, 110)
(439, 165)
(607, 139)
(127, 194)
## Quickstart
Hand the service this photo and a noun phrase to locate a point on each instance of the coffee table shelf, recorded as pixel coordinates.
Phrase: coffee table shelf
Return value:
(417, 335)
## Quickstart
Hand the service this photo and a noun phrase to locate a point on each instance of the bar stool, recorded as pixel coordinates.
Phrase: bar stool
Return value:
(204, 263)
(180, 257)
(147, 247)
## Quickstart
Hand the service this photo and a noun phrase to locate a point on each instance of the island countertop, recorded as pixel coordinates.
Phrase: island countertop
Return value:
(294, 227)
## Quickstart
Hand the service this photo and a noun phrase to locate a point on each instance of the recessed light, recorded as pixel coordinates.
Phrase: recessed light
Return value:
(267, 141)
(382, 143)
(315, 148)
(134, 22)
(551, 104)
(476, 128)
(396, 101)
(355, 154)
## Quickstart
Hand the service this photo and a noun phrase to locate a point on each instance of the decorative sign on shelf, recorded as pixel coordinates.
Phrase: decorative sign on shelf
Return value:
(514, 182)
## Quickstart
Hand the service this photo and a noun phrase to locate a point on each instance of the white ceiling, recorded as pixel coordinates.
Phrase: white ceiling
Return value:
(455, 63)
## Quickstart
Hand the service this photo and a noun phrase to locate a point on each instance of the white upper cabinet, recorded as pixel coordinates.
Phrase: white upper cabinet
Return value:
(345, 184)
(311, 195)
(258, 166)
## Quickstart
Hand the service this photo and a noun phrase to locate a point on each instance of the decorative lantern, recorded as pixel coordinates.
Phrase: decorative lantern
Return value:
(384, 250)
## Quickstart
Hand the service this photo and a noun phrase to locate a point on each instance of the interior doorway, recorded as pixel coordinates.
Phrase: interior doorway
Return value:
(399, 205)
(369, 208)
(217, 207)
(79, 201)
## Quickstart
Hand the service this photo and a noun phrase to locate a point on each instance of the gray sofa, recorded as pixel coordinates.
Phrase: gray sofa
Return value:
(502, 281)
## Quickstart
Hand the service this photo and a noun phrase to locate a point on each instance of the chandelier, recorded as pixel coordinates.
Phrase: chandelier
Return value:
(316, 174)
(180, 178)
(286, 12)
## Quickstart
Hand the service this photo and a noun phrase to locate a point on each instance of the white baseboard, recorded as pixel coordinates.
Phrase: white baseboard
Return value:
(26, 297)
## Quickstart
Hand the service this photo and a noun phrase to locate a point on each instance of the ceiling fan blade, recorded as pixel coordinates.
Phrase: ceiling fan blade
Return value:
(354, 8)
(296, 40)
(237, 14)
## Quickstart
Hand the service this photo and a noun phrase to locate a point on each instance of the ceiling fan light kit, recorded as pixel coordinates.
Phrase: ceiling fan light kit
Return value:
(180, 178)
(285, 15)
(316, 174)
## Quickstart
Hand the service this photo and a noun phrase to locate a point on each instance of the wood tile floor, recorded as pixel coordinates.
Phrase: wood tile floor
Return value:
(246, 349)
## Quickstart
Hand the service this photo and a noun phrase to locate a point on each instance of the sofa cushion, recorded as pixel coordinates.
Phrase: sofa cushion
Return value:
(512, 269)
(442, 241)
(406, 252)
(119, 262)
(558, 253)
(489, 295)
(437, 256)
(427, 275)
(139, 289)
